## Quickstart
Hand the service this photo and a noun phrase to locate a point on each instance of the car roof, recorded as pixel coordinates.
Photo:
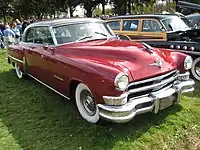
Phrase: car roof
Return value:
(65, 21)
(197, 15)
(155, 16)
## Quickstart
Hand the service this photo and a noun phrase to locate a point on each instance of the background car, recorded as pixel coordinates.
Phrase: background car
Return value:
(108, 78)
(194, 19)
(168, 31)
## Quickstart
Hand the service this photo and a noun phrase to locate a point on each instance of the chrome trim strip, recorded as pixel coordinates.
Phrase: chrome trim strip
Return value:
(55, 76)
(190, 52)
(152, 79)
(129, 110)
(21, 61)
(49, 87)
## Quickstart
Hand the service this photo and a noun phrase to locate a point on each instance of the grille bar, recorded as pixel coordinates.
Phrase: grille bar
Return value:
(148, 86)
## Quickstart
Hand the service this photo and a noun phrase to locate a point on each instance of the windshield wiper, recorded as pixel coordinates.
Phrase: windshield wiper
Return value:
(85, 37)
(101, 34)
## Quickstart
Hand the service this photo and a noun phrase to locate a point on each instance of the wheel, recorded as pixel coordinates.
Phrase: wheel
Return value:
(85, 104)
(18, 71)
(196, 68)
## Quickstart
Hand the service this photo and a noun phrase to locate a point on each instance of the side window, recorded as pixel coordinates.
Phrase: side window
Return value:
(114, 25)
(30, 36)
(130, 25)
(151, 26)
(43, 35)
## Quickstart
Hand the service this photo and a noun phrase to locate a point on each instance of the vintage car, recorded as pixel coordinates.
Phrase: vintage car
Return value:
(162, 31)
(108, 78)
(194, 20)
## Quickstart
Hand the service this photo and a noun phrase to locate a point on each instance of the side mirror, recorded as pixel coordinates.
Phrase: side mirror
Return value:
(117, 36)
(162, 29)
(45, 45)
(52, 49)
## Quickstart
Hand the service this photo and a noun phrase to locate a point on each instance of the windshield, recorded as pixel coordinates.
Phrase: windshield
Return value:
(82, 31)
(176, 24)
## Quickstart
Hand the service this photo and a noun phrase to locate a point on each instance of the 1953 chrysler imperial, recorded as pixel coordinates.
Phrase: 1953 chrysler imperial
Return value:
(109, 78)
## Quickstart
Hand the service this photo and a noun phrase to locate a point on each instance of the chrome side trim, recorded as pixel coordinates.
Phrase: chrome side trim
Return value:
(49, 87)
(21, 61)
(190, 52)
(55, 76)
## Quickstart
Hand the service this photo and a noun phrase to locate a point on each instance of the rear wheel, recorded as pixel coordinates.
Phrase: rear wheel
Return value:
(196, 69)
(85, 104)
(18, 71)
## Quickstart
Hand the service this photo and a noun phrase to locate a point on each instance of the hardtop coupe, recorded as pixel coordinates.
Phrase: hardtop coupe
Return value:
(109, 78)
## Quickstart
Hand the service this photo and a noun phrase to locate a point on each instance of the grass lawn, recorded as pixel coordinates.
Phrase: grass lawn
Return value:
(33, 117)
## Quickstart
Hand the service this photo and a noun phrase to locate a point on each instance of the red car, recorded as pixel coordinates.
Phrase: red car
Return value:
(109, 78)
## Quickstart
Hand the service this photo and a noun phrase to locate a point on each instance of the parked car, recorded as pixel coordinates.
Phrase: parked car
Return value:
(194, 19)
(163, 31)
(109, 78)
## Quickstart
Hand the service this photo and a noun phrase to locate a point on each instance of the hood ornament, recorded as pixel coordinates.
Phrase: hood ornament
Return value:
(157, 63)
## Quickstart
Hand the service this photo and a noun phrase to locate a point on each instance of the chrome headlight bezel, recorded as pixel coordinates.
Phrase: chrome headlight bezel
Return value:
(121, 81)
(188, 62)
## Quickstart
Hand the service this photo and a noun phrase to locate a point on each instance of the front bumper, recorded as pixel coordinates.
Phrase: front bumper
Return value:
(153, 102)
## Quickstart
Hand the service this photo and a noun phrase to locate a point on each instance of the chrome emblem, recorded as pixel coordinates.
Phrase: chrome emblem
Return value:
(157, 63)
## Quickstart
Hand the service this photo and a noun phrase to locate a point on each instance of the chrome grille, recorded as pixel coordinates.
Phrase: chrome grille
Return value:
(147, 86)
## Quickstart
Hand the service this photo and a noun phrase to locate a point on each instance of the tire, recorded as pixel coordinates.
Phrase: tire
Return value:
(196, 69)
(18, 71)
(85, 104)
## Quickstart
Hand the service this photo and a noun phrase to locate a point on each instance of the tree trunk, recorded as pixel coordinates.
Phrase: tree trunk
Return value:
(125, 6)
(129, 6)
(4, 16)
(89, 13)
(71, 11)
(103, 7)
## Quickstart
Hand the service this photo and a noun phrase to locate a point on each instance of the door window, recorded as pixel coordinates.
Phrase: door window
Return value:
(30, 36)
(43, 36)
(114, 25)
(130, 25)
(151, 26)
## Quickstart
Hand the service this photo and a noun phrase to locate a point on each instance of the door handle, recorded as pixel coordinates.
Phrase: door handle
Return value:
(32, 47)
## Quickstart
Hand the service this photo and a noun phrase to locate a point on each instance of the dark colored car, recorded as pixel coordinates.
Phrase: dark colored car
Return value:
(194, 20)
(108, 78)
(168, 31)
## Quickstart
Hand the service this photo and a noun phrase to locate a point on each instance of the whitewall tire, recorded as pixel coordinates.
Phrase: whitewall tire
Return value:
(18, 71)
(85, 104)
(196, 69)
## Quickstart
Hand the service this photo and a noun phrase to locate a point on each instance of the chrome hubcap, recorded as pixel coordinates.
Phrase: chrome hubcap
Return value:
(19, 73)
(197, 68)
(87, 102)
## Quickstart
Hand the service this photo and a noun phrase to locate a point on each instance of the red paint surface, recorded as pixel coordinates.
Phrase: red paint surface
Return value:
(95, 63)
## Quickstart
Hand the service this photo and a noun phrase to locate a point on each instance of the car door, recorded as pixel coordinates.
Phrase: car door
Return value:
(44, 64)
(152, 30)
(37, 55)
(130, 28)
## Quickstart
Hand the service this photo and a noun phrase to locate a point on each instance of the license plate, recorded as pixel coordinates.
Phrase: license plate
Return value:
(166, 102)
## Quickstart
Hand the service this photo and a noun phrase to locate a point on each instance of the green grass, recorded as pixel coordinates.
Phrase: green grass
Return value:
(33, 117)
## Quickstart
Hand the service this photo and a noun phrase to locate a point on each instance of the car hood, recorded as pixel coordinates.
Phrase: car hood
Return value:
(133, 56)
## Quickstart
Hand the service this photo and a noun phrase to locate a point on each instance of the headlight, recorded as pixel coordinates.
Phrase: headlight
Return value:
(121, 81)
(188, 63)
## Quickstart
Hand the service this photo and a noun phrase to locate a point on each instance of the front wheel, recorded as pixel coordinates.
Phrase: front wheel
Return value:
(85, 104)
(18, 71)
(196, 68)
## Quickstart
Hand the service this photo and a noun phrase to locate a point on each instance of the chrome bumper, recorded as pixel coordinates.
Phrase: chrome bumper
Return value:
(147, 103)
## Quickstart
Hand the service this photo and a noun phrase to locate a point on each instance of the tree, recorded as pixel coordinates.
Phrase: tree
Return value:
(5, 8)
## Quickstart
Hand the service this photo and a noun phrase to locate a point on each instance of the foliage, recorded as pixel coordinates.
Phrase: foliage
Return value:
(33, 117)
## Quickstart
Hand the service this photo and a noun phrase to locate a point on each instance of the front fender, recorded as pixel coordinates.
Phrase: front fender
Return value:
(98, 76)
